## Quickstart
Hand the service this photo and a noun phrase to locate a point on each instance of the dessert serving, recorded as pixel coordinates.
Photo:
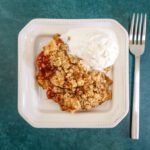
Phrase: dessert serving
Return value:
(73, 68)
(73, 73)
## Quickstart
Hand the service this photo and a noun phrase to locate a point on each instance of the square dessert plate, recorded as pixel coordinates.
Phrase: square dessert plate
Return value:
(33, 104)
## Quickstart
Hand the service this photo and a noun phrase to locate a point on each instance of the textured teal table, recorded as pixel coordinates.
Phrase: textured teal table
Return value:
(15, 133)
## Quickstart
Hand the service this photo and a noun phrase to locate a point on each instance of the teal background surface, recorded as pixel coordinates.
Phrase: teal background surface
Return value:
(15, 133)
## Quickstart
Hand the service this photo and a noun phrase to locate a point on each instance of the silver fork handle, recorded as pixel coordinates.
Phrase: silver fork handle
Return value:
(136, 96)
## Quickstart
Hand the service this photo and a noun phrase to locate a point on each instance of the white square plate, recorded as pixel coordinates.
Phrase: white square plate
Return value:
(33, 105)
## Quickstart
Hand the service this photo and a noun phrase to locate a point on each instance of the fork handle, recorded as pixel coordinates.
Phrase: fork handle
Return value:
(136, 96)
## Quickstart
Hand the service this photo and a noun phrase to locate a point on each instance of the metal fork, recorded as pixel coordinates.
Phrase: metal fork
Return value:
(137, 39)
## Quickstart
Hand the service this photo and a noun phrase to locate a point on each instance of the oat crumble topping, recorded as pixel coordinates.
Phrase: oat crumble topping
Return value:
(67, 81)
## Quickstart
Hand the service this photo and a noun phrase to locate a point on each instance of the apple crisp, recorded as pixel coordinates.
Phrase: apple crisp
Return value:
(67, 81)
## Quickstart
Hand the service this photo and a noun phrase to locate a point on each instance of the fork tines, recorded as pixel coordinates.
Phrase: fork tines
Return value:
(138, 29)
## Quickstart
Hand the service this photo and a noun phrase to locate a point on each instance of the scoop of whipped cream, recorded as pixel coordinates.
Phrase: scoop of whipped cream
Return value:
(98, 48)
